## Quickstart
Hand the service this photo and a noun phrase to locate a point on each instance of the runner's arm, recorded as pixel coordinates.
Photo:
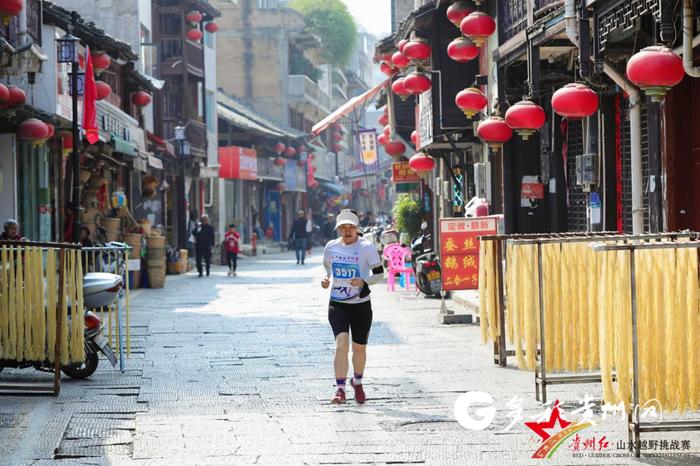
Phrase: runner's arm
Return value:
(375, 266)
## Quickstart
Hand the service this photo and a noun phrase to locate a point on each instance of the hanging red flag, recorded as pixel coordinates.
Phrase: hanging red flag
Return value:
(89, 98)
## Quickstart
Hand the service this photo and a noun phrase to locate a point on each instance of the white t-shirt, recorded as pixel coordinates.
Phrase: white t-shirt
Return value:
(345, 262)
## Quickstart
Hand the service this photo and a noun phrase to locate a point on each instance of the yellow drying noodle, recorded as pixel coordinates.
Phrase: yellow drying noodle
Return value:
(20, 304)
(483, 313)
(568, 309)
(693, 331)
(492, 288)
(12, 310)
(532, 318)
(510, 293)
(581, 325)
(681, 317)
(623, 324)
(593, 291)
(606, 324)
(558, 356)
(548, 286)
(515, 305)
(79, 322)
(4, 303)
(39, 329)
(644, 313)
(51, 304)
(65, 292)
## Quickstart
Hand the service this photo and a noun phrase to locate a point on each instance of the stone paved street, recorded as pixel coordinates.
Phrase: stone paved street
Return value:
(238, 370)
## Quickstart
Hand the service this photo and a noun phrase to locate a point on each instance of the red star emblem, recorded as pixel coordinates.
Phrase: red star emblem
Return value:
(539, 427)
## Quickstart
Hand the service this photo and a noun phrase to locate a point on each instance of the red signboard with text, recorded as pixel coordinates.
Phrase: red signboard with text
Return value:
(402, 173)
(238, 163)
(459, 250)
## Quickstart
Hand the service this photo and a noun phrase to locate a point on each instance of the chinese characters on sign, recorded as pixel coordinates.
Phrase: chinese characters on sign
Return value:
(368, 148)
(402, 173)
(459, 250)
(238, 163)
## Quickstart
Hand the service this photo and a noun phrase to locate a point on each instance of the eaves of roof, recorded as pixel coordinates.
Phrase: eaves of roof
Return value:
(240, 115)
(88, 32)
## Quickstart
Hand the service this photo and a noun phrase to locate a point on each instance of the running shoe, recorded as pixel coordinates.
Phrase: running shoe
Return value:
(339, 397)
(359, 392)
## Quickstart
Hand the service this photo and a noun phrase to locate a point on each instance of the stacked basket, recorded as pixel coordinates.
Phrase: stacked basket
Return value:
(112, 228)
(156, 261)
(134, 241)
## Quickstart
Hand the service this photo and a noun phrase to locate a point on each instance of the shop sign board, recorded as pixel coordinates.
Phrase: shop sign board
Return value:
(459, 250)
(402, 173)
(238, 163)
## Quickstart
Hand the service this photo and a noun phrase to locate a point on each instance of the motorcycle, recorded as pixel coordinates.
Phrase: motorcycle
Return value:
(99, 289)
(426, 265)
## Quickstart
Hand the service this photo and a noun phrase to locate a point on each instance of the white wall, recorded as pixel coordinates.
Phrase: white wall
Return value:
(8, 177)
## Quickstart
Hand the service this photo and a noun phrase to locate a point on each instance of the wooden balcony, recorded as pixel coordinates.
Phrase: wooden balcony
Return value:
(179, 55)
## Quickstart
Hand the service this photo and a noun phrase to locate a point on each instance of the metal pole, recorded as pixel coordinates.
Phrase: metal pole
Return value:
(75, 156)
(543, 363)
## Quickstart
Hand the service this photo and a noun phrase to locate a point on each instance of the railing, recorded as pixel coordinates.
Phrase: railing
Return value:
(512, 16)
(174, 48)
(303, 89)
(196, 134)
(539, 4)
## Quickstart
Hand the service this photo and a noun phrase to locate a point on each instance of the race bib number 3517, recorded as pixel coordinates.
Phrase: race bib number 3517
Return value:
(345, 271)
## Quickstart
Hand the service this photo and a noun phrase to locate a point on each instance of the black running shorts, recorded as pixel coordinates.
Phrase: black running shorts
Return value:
(344, 317)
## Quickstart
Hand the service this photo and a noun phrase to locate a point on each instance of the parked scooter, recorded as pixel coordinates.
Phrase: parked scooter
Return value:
(426, 265)
(99, 289)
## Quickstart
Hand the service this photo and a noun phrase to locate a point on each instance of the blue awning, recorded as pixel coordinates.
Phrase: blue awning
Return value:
(122, 146)
(336, 188)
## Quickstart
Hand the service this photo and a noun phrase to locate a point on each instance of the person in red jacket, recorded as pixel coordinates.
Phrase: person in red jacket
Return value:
(231, 242)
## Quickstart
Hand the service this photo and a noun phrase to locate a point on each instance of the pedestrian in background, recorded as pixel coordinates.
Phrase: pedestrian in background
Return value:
(354, 265)
(309, 232)
(299, 236)
(231, 243)
(204, 241)
(11, 231)
(328, 229)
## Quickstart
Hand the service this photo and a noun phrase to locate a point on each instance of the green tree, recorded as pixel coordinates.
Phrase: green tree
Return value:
(407, 215)
(331, 21)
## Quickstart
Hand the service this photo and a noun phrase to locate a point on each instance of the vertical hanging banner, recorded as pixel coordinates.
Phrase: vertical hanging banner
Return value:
(368, 150)
(459, 250)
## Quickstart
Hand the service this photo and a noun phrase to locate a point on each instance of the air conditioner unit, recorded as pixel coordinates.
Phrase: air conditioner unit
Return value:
(482, 180)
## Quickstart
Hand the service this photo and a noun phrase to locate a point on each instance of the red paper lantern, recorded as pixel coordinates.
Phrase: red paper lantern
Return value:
(100, 61)
(103, 90)
(421, 163)
(211, 27)
(478, 27)
(399, 88)
(458, 11)
(417, 50)
(279, 148)
(462, 50)
(337, 148)
(33, 131)
(194, 35)
(141, 99)
(494, 131)
(395, 148)
(383, 120)
(655, 70)
(382, 139)
(414, 137)
(52, 130)
(9, 8)
(387, 130)
(194, 17)
(279, 161)
(399, 60)
(16, 98)
(525, 117)
(4, 94)
(575, 100)
(471, 101)
(289, 151)
(417, 83)
(402, 44)
(387, 69)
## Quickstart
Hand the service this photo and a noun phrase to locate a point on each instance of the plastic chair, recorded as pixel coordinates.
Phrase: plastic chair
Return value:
(396, 256)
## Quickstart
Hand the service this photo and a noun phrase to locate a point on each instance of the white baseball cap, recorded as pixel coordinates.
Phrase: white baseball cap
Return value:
(346, 217)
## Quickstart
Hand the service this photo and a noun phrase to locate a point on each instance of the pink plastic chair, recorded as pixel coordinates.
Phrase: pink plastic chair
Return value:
(396, 256)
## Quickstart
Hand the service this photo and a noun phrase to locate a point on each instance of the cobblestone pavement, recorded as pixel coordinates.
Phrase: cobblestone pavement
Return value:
(238, 370)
